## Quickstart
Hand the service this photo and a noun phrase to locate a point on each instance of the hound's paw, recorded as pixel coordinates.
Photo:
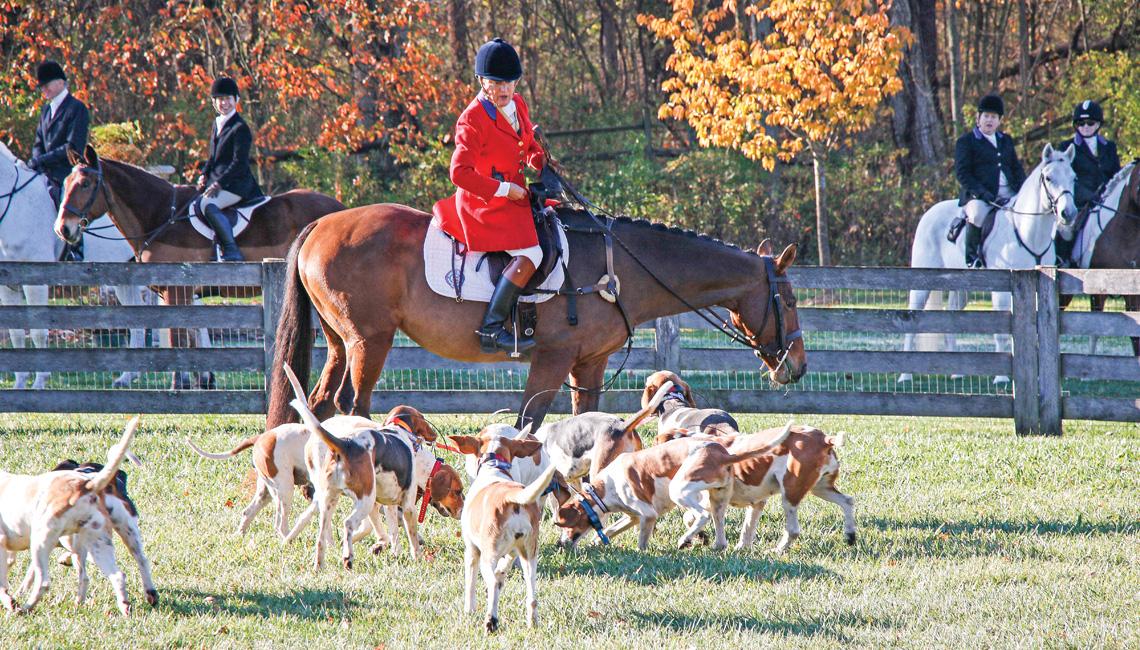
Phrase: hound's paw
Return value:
(850, 539)
(152, 597)
(347, 562)
(491, 624)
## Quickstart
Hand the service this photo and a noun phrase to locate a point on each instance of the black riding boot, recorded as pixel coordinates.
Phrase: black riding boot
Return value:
(493, 335)
(72, 252)
(1064, 249)
(224, 232)
(974, 247)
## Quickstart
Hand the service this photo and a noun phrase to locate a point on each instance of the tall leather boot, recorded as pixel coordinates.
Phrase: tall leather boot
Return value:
(493, 334)
(1064, 249)
(974, 247)
(224, 232)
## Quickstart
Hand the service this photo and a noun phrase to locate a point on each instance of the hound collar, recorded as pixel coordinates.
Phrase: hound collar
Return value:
(427, 488)
(496, 461)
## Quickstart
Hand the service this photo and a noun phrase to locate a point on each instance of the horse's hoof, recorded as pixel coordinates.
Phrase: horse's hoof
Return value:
(957, 377)
(1001, 379)
(905, 378)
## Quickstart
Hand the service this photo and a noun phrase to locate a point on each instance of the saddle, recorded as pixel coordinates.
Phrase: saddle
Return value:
(238, 215)
(546, 224)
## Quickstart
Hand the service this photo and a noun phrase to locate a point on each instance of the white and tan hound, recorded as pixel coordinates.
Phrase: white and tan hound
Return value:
(678, 410)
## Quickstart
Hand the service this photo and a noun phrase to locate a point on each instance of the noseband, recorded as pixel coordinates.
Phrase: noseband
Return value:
(84, 213)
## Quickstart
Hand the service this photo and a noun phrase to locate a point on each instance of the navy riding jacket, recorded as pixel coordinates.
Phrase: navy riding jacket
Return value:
(977, 164)
(1092, 171)
(228, 164)
(56, 134)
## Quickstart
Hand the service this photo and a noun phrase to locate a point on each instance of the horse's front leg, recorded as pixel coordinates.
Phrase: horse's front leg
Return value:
(32, 295)
(587, 377)
(548, 369)
(1003, 301)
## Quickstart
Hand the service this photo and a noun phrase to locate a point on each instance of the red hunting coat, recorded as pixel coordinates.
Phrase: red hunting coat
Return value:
(485, 144)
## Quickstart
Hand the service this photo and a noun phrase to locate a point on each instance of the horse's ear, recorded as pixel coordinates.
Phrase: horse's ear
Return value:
(73, 157)
(786, 258)
(765, 248)
(1070, 152)
(90, 156)
(1047, 152)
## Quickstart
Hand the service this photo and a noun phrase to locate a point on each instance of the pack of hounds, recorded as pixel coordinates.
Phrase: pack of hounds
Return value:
(591, 470)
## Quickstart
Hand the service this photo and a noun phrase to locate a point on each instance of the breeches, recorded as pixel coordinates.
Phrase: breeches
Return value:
(223, 199)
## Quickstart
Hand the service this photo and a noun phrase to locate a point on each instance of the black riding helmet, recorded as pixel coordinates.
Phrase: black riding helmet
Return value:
(224, 87)
(497, 60)
(991, 104)
(49, 71)
(1088, 110)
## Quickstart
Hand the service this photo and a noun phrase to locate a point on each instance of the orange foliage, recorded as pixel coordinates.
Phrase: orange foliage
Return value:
(818, 77)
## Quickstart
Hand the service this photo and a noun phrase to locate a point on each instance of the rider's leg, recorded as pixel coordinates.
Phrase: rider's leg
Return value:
(212, 212)
(976, 212)
(1064, 247)
(493, 335)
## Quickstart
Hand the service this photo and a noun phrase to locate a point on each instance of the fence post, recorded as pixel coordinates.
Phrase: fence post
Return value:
(667, 352)
(272, 293)
(1026, 405)
(1049, 350)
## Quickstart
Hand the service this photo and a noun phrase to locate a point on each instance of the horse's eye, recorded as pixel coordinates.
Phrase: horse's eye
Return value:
(85, 183)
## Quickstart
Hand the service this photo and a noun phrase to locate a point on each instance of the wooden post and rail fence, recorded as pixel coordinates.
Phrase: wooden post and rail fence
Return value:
(1037, 404)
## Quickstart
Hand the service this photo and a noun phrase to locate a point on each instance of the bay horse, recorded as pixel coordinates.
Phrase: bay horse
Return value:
(1112, 241)
(1022, 237)
(363, 271)
(151, 214)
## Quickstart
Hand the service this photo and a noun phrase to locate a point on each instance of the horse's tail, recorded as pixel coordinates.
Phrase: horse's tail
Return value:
(294, 345)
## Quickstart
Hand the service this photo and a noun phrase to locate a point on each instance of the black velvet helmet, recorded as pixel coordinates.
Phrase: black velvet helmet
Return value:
(1088, 110)
(224, 87)
(991, 104)
(497, 60)
(49, 71)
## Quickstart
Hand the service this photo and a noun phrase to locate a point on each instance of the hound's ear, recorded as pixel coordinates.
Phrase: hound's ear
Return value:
(785, 259)
(1047, 152)
(765, 248)
(466, 444)
(1070, 152)
(647, 394)
(73, 157)
(90, 157)
(423, 428)
(523, 448)
(688, 394)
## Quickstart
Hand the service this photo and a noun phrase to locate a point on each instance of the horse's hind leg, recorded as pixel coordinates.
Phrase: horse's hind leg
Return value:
(957, 302)
(365, 361)
(548, 369)
(130, 296)
(1132, 303)
(322, 399)
(1096, 303)
(918, 298)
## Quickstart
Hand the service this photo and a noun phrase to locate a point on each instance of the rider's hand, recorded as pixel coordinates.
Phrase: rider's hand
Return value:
(34, 164)
(200, 183)
(213, 190)
(516, 193)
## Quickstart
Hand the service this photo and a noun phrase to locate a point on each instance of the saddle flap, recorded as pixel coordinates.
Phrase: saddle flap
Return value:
(239, 215)
(547, 225)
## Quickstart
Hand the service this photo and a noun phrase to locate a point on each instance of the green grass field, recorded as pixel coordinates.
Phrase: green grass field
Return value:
(968, 537)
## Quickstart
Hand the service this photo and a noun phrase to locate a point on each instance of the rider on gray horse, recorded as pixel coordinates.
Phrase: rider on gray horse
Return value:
(226, 178)
(986, 164)
(62, 127)
(1095, 163)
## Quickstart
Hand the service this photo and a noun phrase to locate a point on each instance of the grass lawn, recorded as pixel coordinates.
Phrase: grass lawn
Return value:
(968, 537)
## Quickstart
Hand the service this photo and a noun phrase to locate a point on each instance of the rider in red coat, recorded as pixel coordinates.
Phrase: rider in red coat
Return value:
(494, 143)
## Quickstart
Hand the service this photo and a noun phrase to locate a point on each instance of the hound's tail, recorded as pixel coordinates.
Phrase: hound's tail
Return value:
(310, 420)
(629, 427)
(838, 440)
(533, 492)
(242, 446)
(115, 458)
(766, 449)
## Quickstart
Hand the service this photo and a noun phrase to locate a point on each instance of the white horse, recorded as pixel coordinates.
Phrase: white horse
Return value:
(25, 236)
(1022, 237)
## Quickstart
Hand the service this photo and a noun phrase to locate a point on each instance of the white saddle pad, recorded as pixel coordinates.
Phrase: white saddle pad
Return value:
(441, 270)
(244, 212)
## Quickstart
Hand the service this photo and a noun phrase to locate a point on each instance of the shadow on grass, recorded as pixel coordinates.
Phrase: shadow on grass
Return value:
(816, 626)
(1079, 527)
(657, 567)
(308, 604)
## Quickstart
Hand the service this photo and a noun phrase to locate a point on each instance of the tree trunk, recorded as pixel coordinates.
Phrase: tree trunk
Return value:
(821, 225)
(954, 57)
(457, 38)
(1023, 52)
(916, 122)
(609, 43)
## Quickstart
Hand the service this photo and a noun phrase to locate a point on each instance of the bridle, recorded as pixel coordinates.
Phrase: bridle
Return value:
(1052, 209)
(84, 213)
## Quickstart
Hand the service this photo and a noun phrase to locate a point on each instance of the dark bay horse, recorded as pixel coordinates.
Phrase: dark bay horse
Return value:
(363, 271)
(1118, 247)
(150, 213)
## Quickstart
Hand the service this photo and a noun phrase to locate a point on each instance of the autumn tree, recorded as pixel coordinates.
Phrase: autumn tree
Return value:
(819, 76)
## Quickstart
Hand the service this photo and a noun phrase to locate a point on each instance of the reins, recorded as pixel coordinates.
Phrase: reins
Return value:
(11, 195)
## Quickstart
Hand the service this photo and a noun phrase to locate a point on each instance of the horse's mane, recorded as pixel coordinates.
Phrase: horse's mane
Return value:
(1120, 177)
(150, 181)
(579, 217)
